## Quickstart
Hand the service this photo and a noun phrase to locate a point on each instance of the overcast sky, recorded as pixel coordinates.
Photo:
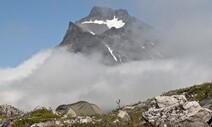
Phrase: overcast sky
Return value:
(32, 73)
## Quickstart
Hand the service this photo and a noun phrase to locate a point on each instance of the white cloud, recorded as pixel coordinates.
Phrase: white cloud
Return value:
(67, 78)
(23, 70)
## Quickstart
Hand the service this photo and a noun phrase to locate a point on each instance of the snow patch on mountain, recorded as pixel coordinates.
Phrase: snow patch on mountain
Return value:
(110, 23)
(159, 54)
(111, 52)
(92, 32)
(143, 47)
(120, 59)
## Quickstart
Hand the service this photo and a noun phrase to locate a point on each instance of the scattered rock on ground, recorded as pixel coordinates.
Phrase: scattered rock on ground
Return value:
(123, 115)
(9, 111)
(176, 111)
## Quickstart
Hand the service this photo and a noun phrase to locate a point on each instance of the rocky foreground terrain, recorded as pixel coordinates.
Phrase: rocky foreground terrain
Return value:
(187, 107)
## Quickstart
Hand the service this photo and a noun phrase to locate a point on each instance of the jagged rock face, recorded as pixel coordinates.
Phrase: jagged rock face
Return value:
(178, 112)
(113, 34)
(9, 111)
(206, 103)
(165, 101)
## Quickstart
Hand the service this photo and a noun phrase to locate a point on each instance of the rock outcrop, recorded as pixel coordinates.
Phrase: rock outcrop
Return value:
(8, 114)
(9, 111)
(123, 115)
(206, 103)
(176, 111)
(67, 122)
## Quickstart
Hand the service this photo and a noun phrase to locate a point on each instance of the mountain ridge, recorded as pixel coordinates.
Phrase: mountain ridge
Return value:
(114, 34)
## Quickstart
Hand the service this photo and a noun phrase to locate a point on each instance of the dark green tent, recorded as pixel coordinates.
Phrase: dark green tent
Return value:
(81, 108)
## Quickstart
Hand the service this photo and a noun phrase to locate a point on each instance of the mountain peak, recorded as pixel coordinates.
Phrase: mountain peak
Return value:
(107, 13)
(100, 11)
(112, 34)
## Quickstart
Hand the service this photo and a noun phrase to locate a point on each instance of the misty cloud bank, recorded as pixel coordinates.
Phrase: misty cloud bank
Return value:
(66, 78)
(55, 76)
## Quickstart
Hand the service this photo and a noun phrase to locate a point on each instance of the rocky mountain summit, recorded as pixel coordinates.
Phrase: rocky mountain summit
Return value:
(112, 34)
(187, 107)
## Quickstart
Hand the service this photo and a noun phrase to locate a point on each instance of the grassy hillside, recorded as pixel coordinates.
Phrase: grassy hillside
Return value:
(193, 93)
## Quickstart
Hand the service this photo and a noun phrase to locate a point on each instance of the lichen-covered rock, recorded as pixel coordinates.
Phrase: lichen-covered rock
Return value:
(128, 107)
(176, 111)
(10, 111)
(123, 115)
(189, 124)
(84, 119)
(206, 103)
(8, 114)
(47, 124)
(165, 101)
